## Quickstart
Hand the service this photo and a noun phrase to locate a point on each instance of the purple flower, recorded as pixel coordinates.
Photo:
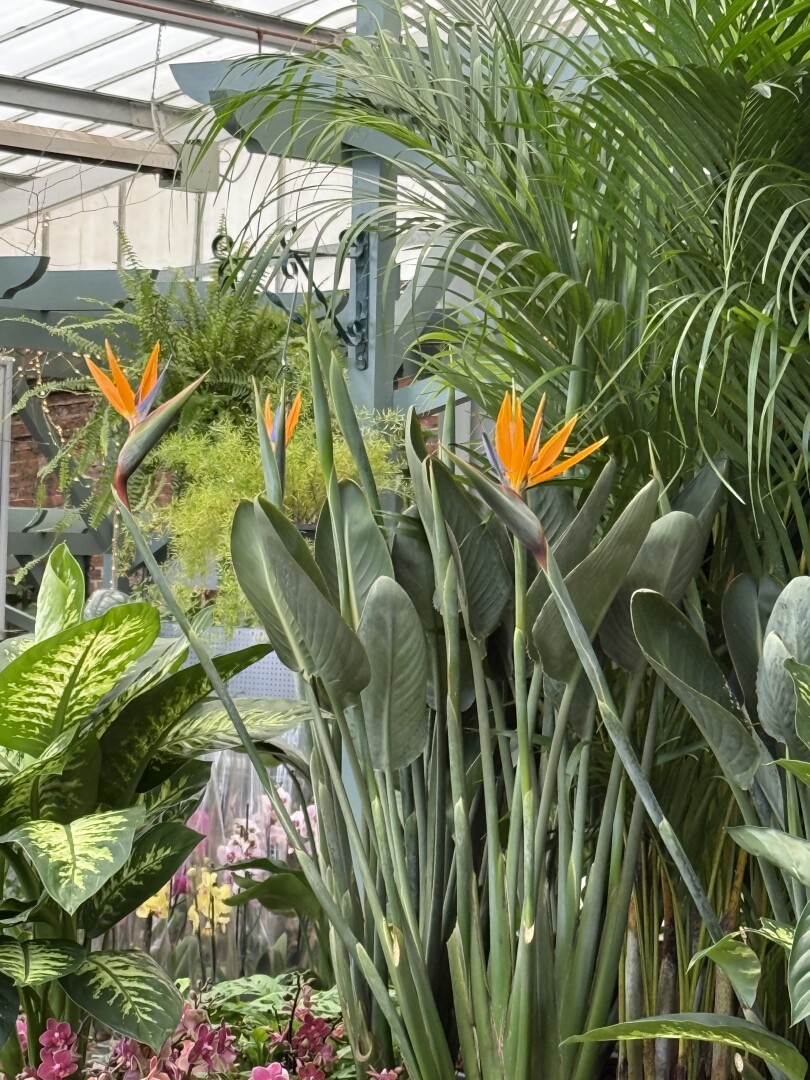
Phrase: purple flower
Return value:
(274, 1071)
(58, 1058)
(385, 1074)
(22, 1031)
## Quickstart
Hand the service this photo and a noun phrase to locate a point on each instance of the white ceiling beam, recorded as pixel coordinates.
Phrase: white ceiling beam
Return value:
(27, 94)
(218, 19)
(131, 154)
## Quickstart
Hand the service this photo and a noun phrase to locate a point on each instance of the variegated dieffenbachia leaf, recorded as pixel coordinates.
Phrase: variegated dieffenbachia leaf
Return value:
(58, 682)
(207, 727)
(179, 795)
(58, 786)
(128, 993)
(32, 963)
(149, 721)
(73, 861)
(155, 857)
(60, 600)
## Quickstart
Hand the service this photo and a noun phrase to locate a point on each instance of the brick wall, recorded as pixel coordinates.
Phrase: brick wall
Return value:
(67, 413)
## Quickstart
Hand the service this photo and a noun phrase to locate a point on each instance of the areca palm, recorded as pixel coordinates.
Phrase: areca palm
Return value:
(619, 196)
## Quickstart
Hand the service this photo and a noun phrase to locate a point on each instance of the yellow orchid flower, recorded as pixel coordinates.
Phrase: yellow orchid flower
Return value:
(133, 406)
(273, 422)
(157, 905)
(522, 463)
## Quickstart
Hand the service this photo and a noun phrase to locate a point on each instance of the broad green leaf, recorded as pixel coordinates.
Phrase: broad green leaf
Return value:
(150, 720)
(593, 584)
(771, 930)
(365, 546)
(324, 553)
(60, 599)
(487, 582)
(127, 992)
(295, 544)
(60, 785)
(571, 544)
(413, 565)
(677, 652)
(155, 857)
(789, 853)
(705, 493)
(394, 705)
(304, 628)
(73, 861)
(667, 562)
(800, 769)
(9, 1008)
(800, 674)
(285, 892)
(798, 972)
(508, 507)
(32, 963)
(746, 610)
(58, 682)
(740, 964)
(207, 727)
(787, 637)
(712, 1028)
(178, 796)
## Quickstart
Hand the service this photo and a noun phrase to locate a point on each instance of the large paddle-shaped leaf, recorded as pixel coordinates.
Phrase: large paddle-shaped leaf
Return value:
(571, 545)
(800, 674)
(59, 681)
(593, 584)
(60, 600)
(73, 861)
(740, 964)
(668, 560)
(677, 652)
(155, 857)
(60, 785)
(789, 853)
(128, 993)
(32, 963)
(787, 637)
(206, 726)
(747, 607)
(488, 582)
(798, 972)
(365, 546)
(304, 628)
(394, 704)
(178, 796)
(142, 729)
(708, 1027)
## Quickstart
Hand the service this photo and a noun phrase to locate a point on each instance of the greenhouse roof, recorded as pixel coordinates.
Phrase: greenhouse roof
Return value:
(92, 82)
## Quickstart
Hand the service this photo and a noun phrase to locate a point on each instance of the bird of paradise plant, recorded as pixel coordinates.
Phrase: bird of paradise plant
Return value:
(146, 427)
(477, 908)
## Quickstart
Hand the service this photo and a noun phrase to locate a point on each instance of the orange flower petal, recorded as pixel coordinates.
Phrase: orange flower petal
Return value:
(509, 434)
(107, 387)
(150, 374)
(533, 442)
(121, 382)
(568, 463)
(551, 450)
(292, 418)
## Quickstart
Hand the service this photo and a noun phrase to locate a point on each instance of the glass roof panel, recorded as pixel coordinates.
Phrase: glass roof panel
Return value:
(61, 44)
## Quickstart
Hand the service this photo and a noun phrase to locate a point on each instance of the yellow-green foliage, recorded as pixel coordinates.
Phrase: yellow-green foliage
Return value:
(212, 469)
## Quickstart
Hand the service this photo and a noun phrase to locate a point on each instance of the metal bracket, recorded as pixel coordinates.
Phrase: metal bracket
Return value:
(357, 330)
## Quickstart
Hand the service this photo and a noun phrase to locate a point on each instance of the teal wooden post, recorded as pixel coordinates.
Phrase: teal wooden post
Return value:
(373, 358)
